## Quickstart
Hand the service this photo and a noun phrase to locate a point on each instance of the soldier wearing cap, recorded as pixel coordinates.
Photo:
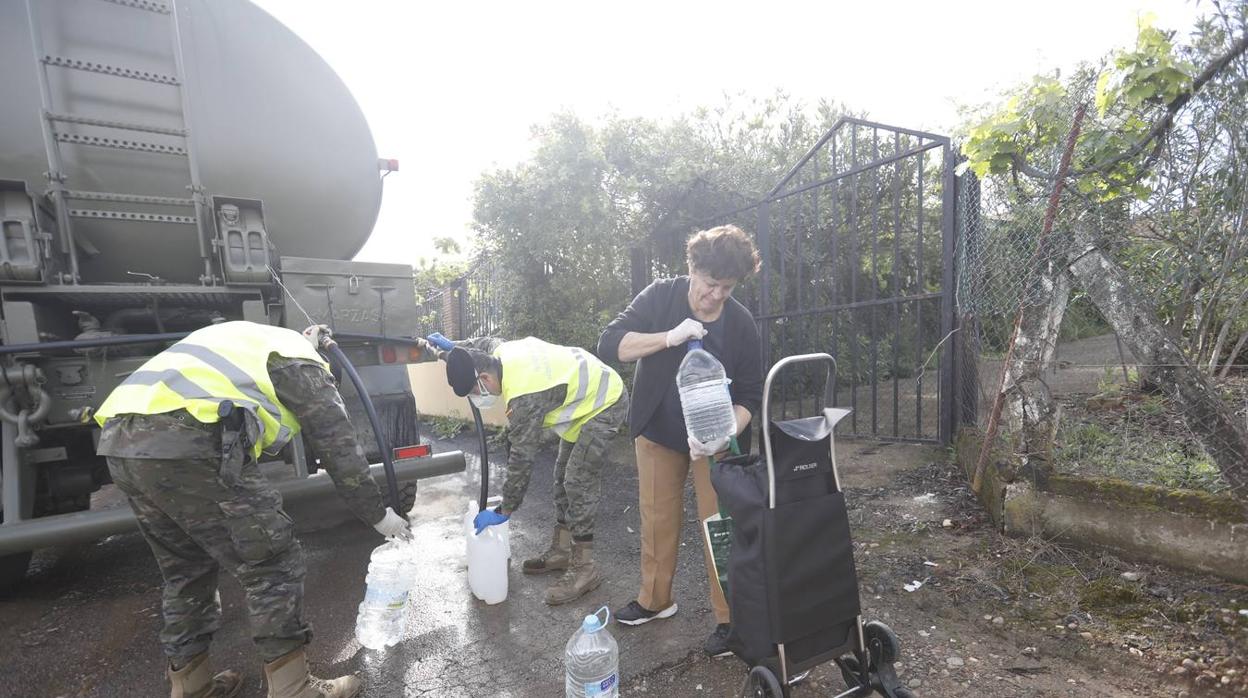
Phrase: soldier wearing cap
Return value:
(182, 436)
(583, 401)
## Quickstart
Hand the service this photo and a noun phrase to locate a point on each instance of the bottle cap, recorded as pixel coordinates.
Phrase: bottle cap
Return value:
(591, 624)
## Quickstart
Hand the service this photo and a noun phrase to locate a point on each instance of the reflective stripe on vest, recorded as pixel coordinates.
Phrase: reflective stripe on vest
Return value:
(217, 363)
(531, 366)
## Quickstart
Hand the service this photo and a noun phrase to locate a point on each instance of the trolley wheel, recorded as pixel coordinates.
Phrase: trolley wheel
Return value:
(763, 683)
(849, 671)
(889, 644)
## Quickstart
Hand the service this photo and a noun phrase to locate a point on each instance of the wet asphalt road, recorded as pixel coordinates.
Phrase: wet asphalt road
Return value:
(85, 621)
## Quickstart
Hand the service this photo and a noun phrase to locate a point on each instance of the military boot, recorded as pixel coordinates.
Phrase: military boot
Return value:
(556, 557)
(581, 577)
(288, 677)
(195, 680)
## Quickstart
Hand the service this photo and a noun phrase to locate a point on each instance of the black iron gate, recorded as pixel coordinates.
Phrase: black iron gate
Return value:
(858, 248)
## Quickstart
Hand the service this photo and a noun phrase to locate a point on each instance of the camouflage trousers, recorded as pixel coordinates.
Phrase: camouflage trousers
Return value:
(197, 523)
(578, 469)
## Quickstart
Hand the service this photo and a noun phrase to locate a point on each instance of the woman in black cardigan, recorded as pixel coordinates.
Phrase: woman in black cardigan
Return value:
(653, 331)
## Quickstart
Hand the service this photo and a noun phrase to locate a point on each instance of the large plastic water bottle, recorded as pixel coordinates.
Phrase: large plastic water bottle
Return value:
(592, 660)
(488, 553)
(704, 397)
(391, 570)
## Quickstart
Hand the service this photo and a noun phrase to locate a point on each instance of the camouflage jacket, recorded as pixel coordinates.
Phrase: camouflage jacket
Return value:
(524, 428)
(304, 388)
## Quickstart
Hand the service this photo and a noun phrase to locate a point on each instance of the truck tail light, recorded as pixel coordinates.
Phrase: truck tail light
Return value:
(388, 354)
(406, 452)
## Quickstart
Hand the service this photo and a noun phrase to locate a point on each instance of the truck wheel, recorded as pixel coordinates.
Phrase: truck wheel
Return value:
(12, 570)
(407, 496)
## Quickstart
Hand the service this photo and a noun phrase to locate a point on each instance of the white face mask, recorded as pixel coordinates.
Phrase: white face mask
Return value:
(484, 402)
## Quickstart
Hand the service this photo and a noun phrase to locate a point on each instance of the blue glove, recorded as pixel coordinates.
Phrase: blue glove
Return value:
(437, 340)
(488, 517)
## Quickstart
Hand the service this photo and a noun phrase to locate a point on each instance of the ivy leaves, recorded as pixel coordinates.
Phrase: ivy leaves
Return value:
(1131, 94)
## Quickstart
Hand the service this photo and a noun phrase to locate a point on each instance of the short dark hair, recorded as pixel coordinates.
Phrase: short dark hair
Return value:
(723, 252)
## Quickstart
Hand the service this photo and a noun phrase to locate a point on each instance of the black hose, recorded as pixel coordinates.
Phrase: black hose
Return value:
(117, 340)
(485, 457)
(335, 352)
(131, 339)
(387, 459)
(376, 338)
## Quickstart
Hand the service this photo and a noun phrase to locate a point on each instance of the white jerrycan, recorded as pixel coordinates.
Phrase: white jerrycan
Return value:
(488, 553)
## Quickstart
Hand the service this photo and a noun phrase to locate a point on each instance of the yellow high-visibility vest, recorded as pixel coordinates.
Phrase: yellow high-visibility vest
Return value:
(531, 366)
(221, 362)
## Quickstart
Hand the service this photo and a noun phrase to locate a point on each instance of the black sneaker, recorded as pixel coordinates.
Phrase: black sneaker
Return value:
(717, 644)
(635, 614)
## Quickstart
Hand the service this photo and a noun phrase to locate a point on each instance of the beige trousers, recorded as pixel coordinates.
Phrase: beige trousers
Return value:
(661, 475)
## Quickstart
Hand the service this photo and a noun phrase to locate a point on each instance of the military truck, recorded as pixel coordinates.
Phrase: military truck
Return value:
(166, 164)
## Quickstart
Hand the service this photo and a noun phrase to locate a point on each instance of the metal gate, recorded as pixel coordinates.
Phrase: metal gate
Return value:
(858, 261)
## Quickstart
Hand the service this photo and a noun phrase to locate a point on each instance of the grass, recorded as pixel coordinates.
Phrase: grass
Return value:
(1125, 434)
(447, 427)
(1135, 455)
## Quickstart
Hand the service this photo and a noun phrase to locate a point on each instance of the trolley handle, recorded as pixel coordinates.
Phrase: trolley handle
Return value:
(766, 425)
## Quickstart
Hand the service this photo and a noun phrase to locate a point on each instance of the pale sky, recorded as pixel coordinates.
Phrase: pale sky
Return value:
(451, 89)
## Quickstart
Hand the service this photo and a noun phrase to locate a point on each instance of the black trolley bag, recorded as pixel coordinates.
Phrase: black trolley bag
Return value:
(792, 585)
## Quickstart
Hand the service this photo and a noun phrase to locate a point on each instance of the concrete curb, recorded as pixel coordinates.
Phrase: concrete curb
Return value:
(1187, 530)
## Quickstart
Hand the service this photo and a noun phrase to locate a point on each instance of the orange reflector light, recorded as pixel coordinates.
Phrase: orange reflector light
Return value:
(388, 355)
(413, 354)
(405, 452)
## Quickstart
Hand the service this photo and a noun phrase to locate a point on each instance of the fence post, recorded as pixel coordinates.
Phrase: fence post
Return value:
(948, 309)
(969, 244)
(453, 310)
(764, 282)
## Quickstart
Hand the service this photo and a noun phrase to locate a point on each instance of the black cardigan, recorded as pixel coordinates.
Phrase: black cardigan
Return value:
(658, 308)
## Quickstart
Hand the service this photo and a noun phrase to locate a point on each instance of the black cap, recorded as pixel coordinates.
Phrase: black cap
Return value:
(460, 372)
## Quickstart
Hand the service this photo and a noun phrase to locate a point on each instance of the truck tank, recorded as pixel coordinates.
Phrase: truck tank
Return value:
(206, 165)
(271, 121)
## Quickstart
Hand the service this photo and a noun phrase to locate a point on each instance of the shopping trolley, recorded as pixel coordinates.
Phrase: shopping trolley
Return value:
(792, 585)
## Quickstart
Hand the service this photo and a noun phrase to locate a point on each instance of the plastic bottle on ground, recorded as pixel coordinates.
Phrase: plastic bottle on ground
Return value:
(383, 612)
(592, 660)
(704, 397)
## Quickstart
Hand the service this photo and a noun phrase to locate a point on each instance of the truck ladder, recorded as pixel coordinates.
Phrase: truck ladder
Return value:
(50, 120)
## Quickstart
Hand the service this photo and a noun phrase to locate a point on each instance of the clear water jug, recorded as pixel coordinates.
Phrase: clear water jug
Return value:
(391, 570)
(592, 660)
(704, 397)
(488, 552)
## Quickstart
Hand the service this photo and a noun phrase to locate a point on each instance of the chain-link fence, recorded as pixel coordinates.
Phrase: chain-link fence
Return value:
(1080, 332)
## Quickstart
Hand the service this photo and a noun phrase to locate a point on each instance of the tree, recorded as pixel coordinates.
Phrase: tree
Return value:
(565, 224)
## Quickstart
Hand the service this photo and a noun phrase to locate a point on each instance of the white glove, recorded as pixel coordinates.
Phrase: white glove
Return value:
(687, 329)
(697, 449)
(319, 336)
(393, 526)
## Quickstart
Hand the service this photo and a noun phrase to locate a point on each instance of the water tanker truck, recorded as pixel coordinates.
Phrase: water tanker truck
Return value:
(167, 164)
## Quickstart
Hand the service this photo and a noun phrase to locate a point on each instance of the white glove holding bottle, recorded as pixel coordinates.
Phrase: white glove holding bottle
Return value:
(687, 329)
(393, 526)
(697, 449)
